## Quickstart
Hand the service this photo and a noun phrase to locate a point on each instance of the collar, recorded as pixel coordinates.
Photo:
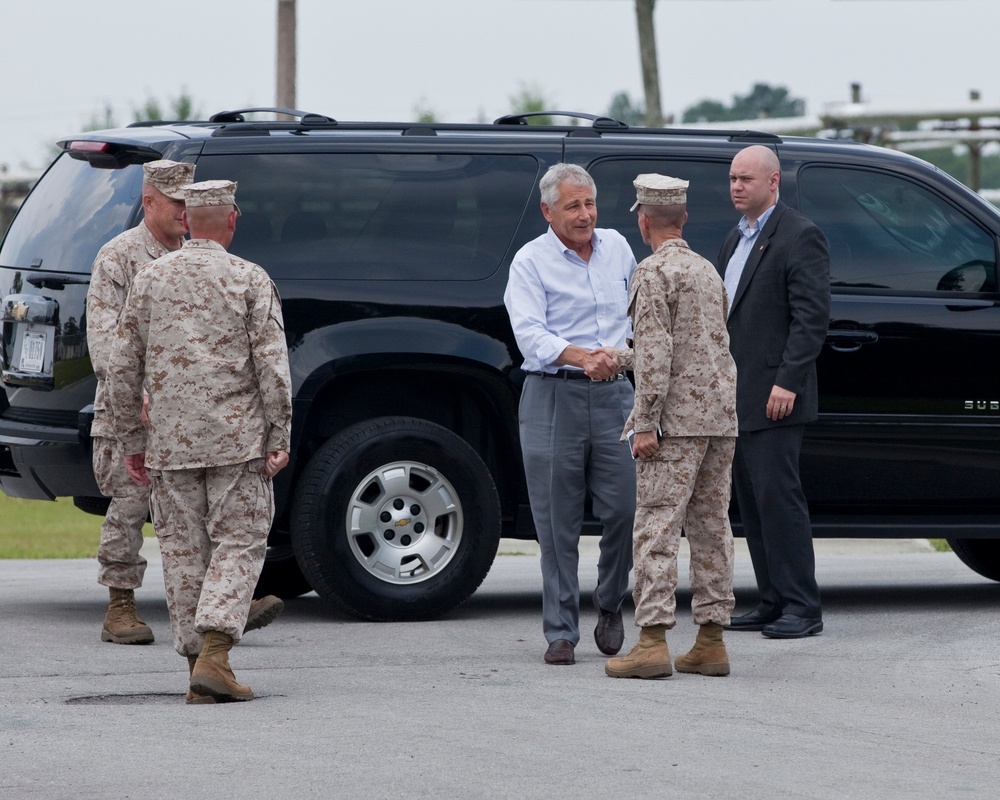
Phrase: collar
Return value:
(595, 240)
(203, 244)
(744, 225)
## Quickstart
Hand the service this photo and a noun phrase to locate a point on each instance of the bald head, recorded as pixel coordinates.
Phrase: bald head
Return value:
(753, 181)
(758, 156)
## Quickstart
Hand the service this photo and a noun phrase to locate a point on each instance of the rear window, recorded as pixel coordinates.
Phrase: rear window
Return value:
(72, 211)
(371, 216)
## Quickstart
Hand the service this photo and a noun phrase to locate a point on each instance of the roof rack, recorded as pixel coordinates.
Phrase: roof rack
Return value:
(603, 124)
(235, 123)
(599, 122)
(304, 117)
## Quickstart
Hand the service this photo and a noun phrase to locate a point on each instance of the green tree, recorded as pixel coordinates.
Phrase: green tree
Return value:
(179, 108)
(763, 101)
(707, 111)
(768, 101)
(422, 112)
(530, 99)
(625, 110)
(101, 120)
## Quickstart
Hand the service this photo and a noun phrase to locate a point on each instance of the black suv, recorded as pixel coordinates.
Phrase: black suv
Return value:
(390, 245)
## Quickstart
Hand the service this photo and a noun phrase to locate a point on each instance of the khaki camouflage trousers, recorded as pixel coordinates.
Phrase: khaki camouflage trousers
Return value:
(686, 486)
(212, 525)
(120, 565)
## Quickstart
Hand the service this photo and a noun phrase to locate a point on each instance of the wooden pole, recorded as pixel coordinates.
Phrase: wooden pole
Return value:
(286, 56)
(647, 58)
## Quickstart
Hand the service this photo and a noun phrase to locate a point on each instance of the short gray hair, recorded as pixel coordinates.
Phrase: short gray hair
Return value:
(558, 174)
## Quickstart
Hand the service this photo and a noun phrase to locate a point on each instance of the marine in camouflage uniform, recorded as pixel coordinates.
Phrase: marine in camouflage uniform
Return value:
(684, 423)
(121, 567)
(203, 331)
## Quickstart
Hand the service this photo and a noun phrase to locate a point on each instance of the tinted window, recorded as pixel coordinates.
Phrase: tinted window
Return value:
(376, 216)
(886, 232)
(72, 211)
(710, 211)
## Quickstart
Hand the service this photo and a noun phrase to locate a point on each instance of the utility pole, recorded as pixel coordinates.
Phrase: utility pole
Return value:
(285, 66)
(647, 57)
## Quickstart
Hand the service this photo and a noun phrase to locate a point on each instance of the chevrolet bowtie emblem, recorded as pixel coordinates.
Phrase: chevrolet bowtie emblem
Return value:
(402, 523)
(19, 311)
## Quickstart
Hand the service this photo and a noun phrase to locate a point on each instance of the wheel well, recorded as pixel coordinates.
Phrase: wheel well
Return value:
(480, 407)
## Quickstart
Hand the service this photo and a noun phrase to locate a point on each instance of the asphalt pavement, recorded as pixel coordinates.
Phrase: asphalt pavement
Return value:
(897, 698)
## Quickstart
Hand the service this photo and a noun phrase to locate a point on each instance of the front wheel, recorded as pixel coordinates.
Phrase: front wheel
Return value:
(396, 518)
(980, 555)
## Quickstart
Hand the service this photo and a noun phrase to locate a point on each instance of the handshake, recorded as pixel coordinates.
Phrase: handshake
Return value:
(601, 364)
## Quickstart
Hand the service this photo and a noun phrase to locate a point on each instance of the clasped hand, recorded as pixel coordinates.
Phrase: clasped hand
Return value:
(600, 364)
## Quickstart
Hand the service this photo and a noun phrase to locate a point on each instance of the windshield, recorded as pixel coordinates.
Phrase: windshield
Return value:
(73, 210)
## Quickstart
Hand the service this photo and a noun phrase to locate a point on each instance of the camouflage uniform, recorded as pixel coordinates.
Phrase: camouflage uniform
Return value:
(121, 566)
(204, 330)
(686, 385)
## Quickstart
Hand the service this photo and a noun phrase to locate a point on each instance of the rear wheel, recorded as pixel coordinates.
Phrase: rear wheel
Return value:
(396, 518)
(980, 555)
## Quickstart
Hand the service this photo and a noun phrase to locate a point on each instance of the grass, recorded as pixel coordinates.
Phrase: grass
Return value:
(71, 370)
(43, 529)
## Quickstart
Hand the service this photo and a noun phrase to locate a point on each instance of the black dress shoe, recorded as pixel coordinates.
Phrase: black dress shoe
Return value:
(609, 633)
(752, 621)
(560, 652)
(789, 626)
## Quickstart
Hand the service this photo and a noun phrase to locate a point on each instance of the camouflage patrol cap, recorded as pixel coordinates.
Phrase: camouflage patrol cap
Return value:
(210, 193)
(659, 190)
(169, 177)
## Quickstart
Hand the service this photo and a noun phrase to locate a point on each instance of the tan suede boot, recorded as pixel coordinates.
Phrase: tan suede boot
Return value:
(212, 674)
(708, 656)
(650, 657)
(263, 612)
(192, 698)
(121, 625)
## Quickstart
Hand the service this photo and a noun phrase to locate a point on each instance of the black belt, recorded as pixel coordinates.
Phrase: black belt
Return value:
(574, 375)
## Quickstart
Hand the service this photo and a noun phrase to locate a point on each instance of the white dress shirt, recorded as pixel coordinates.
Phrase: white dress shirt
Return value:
(556, 299)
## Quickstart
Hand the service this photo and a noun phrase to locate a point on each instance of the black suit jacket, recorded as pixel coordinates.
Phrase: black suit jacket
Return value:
(779, 317)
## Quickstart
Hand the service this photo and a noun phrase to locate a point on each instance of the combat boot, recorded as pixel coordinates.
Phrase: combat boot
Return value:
(121, 625)
(212, 674)
(263, 612)
(708, 656)
(192, 698)
(650, 657)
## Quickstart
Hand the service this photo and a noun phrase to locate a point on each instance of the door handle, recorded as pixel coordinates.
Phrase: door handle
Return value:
(849, 341)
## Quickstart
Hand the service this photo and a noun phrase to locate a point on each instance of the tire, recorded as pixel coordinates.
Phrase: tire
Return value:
(396, 519)
(980, 555)
(281, 575)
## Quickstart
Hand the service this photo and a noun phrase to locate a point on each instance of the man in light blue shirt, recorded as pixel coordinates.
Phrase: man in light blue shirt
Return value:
(567, 295)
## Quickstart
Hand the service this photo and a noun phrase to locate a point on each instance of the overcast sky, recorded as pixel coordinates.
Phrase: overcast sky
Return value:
(65, 60)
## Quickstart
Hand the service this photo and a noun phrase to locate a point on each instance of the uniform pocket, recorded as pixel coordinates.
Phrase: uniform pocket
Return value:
(652, 482)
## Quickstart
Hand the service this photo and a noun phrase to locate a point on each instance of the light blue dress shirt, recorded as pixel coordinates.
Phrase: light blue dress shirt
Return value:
(734, 269)
(556, 299)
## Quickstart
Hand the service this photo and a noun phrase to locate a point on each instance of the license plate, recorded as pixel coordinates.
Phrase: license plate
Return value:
(33, 352)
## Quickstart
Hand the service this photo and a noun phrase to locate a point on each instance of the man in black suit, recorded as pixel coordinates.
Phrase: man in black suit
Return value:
(777, 273)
